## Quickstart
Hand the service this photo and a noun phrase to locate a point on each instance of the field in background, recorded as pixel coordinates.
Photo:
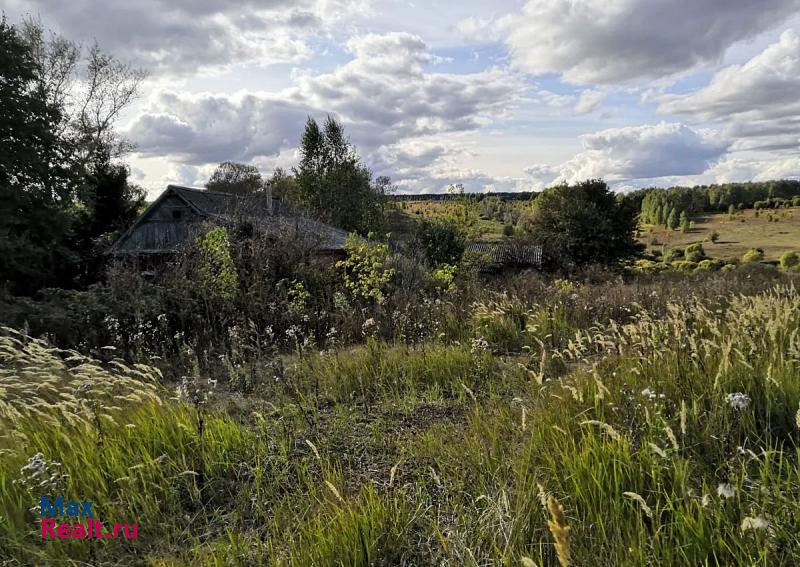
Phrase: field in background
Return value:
(478, 226)
(736, 236)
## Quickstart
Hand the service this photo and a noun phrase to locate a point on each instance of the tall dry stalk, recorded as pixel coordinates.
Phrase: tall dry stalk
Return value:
(560, 530)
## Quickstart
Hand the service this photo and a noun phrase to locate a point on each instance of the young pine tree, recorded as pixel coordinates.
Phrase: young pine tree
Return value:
(672, 220)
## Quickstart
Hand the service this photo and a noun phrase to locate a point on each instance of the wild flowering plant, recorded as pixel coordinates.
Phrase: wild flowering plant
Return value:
(365, 268)
(738, 400)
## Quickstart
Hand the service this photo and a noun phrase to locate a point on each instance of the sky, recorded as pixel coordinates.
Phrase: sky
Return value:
(510, 95)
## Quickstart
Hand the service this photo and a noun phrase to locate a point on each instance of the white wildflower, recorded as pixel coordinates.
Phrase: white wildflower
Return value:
(726, 490)
(369, 327)
(648, 393)
(756, 523)
(738, 400)
(479, 344)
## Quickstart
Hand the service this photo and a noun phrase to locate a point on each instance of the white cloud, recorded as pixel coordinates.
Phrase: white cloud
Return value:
(210, 128)
(759, 100)
(589, 101)
(484, 30)
(614, 41)
(182, 36)
(638, 152)
(732, 169)
(397, 113)
(385, 94)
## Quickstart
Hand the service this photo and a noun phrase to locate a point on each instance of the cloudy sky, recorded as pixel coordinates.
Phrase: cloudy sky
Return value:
(505, 95)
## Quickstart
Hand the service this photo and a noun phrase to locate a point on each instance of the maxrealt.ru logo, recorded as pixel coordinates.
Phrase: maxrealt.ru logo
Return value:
(82, 509)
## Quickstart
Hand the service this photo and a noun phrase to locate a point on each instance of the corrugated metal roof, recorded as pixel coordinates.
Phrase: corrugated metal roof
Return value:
(510, 253)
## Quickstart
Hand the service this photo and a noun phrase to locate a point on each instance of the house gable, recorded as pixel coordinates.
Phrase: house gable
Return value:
(161, 228)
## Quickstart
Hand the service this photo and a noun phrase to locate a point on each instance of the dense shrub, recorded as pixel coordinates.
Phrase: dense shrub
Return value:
(789, 260)
(711, 264)
(672, 254)
(694, 252)
(441, 240)
(753, 255)
(583, 224)
(684, 265)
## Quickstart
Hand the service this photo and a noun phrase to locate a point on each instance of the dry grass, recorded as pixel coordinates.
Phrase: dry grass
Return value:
(669, 438)
(736, 236)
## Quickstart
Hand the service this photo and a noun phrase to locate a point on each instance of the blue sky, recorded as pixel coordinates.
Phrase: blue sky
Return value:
(512, 95)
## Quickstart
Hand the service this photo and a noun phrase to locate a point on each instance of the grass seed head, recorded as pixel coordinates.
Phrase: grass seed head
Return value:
(560, 530)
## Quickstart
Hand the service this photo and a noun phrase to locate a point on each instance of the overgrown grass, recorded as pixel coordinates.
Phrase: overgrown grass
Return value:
(670, 437)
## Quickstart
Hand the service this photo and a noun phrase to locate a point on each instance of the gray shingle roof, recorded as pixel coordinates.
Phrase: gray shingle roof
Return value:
(271, 215)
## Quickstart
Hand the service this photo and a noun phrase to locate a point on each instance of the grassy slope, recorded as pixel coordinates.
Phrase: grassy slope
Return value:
(737, 236)
(442, 453)
(483, 230)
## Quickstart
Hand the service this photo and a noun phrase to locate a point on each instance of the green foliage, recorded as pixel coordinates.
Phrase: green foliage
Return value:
(235, 178)
(673, 220)
(218, 277)
(298, 295)
(441, 240)
(753, 255)
(332, 181)
(684, 222)
(694, 252)
(37, 181)
(283, 186)
(371, 454)
(62, 199)
(657, 203)
(673, 254)
(648, 266)
(365, 269)
(710, 264)
(444, 277)
(789, 260)
(583, 224)
(684, 265)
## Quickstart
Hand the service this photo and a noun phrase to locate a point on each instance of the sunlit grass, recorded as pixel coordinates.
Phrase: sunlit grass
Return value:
(667, 440)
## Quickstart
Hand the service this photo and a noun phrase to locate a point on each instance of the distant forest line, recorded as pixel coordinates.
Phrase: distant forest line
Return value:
(692, 200)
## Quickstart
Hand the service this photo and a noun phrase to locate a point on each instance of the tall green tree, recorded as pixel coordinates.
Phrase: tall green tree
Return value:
(582, 224)
(332, 180)
(58, 110)
(684, 222)
(673, 220)
(236, 178)
(659, 216)
(37, 178)
(108, 204)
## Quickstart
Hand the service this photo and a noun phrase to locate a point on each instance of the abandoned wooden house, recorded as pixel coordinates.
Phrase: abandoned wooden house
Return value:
(500, 254)
(179, 212)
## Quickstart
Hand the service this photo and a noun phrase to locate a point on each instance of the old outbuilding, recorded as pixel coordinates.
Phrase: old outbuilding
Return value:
(179, 212)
